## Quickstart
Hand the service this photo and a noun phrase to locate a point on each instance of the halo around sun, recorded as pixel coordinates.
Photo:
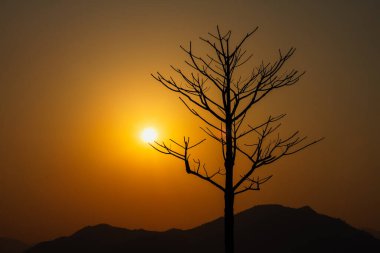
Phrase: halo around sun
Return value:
(148, 135)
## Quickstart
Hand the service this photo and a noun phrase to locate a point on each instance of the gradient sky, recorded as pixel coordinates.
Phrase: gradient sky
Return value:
(76, 90)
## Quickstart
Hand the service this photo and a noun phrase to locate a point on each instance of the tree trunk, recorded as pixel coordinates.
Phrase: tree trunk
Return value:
(229, 240)
(229, 167)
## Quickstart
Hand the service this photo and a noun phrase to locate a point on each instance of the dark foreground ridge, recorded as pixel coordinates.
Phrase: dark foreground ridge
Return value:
(266, 228)
(8, 245)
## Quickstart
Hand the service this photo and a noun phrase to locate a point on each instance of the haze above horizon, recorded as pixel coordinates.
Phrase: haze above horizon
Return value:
(76, 92)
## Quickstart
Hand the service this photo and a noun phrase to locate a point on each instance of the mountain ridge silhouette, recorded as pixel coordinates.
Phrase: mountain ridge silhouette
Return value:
(9, 245)
(263, 228)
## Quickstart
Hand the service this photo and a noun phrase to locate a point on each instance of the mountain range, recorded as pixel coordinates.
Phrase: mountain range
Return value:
(264, 228)
(8, 245)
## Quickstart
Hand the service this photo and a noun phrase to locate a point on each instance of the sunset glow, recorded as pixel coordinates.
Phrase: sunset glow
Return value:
(79, 110)
(149, 135)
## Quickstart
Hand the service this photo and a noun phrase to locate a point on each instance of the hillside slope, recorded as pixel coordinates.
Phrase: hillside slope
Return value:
(266, 228)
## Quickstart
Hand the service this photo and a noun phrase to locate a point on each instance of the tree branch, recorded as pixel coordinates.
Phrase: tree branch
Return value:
(184, 156)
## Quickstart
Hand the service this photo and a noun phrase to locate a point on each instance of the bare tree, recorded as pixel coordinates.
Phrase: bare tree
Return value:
(215, 92)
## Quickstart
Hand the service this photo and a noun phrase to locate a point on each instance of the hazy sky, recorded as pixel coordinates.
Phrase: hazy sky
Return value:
(76, 90)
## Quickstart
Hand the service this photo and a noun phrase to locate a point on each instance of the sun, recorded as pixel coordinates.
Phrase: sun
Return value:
(149, 135)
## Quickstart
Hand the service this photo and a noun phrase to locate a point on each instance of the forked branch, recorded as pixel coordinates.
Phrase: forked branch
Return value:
(253, 184)
(181, 151)
(266, 151)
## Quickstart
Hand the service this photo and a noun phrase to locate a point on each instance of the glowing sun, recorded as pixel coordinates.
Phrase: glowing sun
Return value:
(149, 135)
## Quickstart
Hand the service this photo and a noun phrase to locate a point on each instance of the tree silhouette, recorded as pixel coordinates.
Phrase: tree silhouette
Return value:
(215, 92)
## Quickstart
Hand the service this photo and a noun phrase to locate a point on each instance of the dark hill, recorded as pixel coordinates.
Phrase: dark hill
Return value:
(374, 233)
(267, 228)
(8, 245)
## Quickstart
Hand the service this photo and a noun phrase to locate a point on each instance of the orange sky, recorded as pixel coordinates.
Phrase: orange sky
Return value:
(75, 92)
